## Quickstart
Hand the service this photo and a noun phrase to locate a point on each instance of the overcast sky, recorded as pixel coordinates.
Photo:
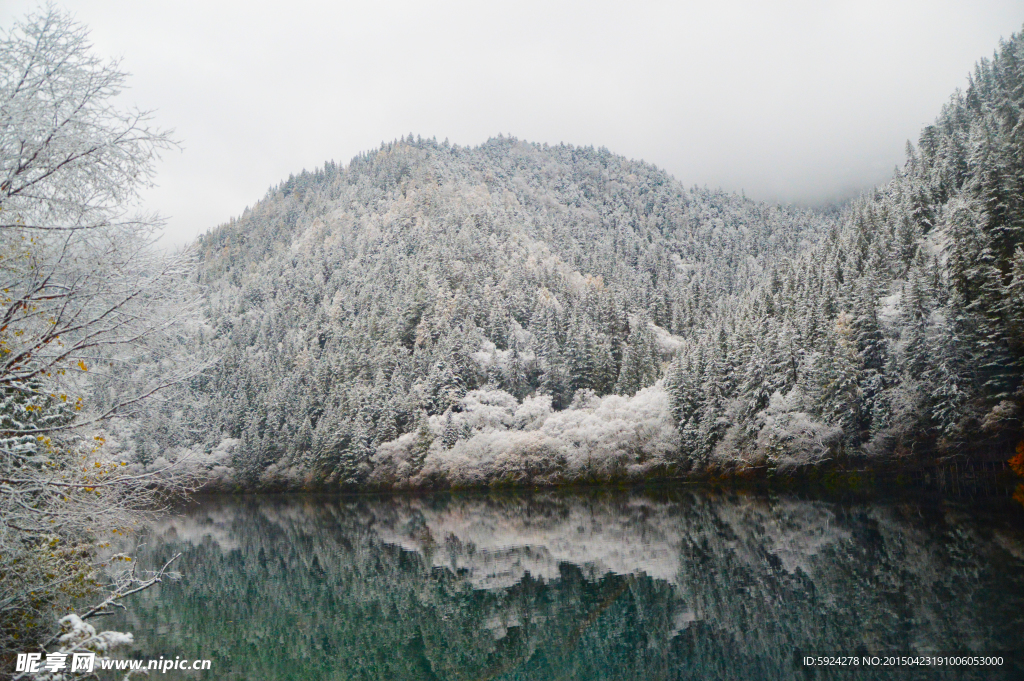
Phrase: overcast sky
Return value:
(797, 101)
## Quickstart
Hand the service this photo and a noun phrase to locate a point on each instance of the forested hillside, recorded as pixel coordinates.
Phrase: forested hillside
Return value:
(355, 304)
(432, 314)
(901, 331)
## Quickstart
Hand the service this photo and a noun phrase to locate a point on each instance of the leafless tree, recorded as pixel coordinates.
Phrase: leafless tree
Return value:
(92, 317)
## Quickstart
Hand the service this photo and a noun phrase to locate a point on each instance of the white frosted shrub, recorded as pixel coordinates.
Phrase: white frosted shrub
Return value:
(533, 412)
(394, 463)
(611, 437)
(488, 409)
(791, 437)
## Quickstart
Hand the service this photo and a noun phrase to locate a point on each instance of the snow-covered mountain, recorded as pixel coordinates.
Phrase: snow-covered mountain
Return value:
(355, 304)
(435, 315)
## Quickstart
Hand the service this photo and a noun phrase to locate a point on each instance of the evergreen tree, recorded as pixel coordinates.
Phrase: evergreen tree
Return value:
(839, 394)
(640, 363)
(450, 435)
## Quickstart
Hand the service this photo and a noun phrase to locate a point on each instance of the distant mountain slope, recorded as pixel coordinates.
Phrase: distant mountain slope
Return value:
(354, 304)
(902, 332)
(433, 315)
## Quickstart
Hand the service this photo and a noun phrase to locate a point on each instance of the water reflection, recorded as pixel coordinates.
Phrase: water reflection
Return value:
(554, 586)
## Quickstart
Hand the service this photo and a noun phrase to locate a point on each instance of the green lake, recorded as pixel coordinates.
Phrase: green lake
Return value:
(664, 584)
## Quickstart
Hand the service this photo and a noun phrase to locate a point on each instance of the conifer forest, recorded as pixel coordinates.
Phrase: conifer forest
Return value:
(536, 411)
(431, 315)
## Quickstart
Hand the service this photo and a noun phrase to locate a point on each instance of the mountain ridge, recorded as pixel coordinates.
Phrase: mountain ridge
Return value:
(545, 253)
(436, 315)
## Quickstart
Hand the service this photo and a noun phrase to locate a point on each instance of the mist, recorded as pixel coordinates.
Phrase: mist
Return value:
(798, 101)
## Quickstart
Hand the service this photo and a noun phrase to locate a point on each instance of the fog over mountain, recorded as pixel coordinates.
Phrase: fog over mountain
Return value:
(549, 404)
(436, 315)
(789, 101)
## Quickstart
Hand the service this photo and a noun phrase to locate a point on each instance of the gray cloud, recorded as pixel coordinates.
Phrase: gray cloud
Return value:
(797, 101)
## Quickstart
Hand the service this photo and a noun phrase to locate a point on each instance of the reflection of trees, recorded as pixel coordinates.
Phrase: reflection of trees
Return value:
(900, 579)
(533, 588)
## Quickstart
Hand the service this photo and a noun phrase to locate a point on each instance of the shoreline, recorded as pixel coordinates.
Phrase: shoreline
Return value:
(958, 476)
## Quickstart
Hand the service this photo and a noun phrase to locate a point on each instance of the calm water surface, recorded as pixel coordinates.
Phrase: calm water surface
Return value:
(680, 585)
